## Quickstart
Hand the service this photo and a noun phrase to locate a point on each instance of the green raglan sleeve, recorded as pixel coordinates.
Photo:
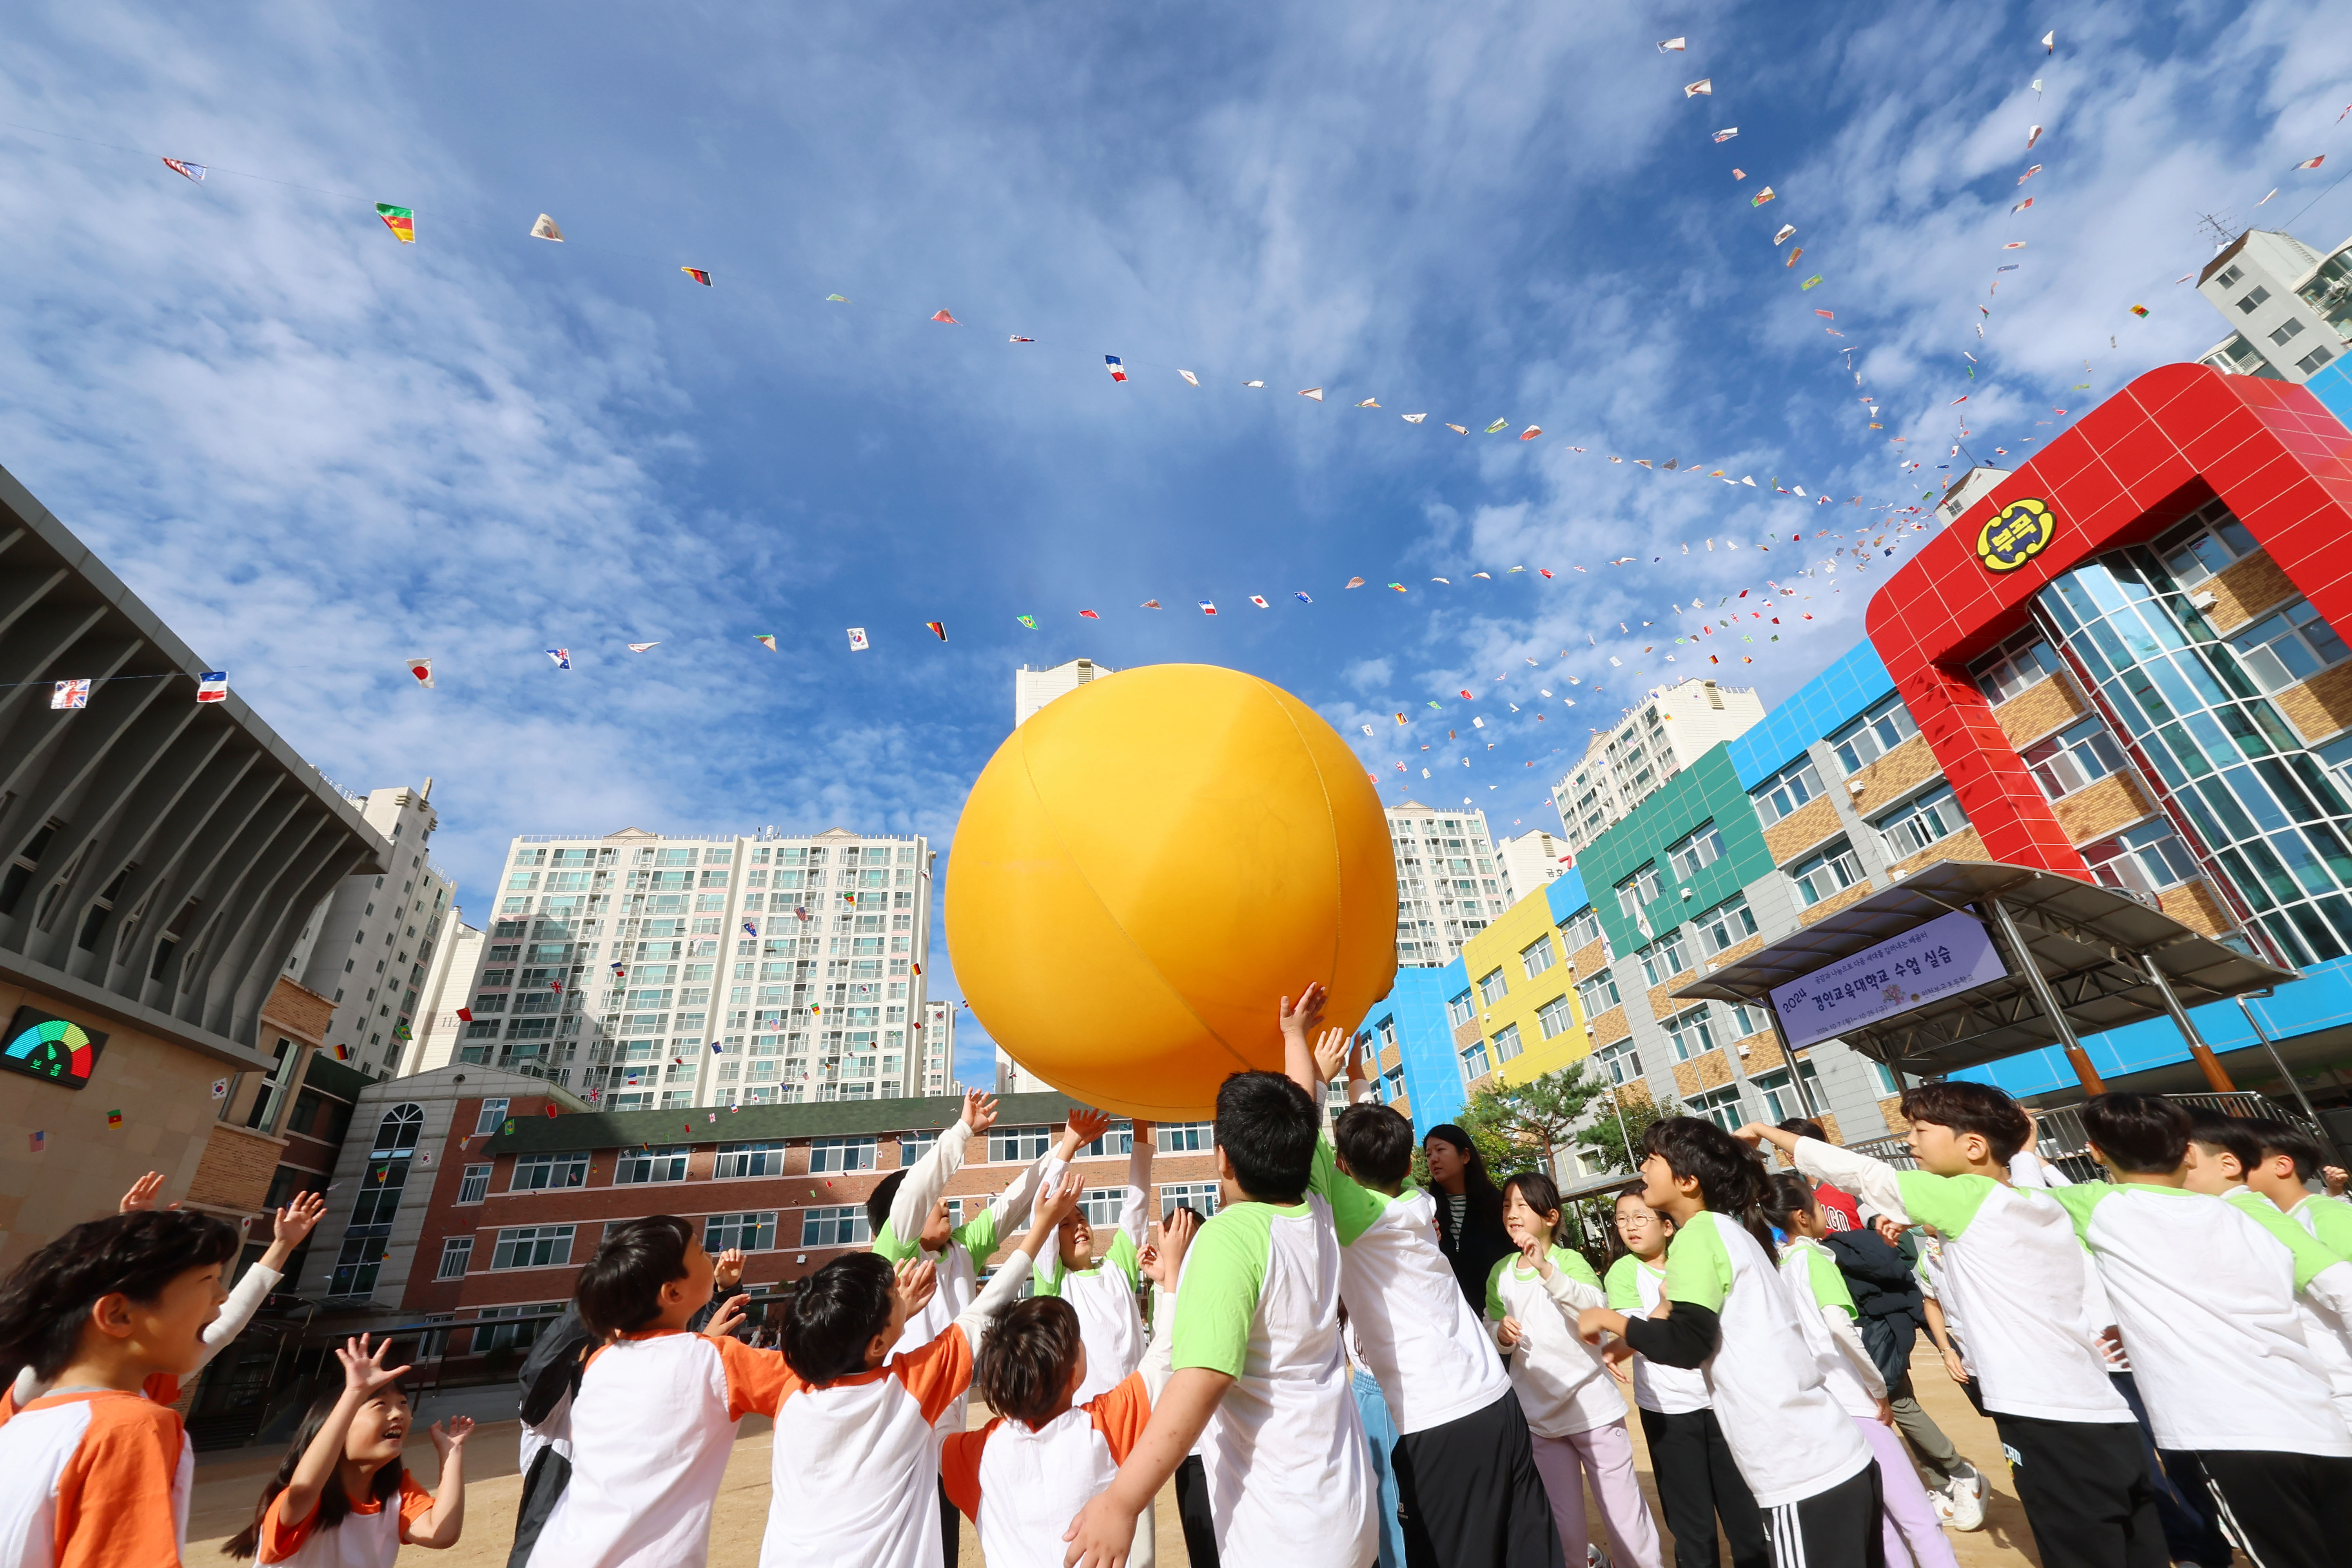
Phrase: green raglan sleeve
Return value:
(1625, 1287)
(1496, 1310)
(1698, 1269)
(1948, 1203)
(1045, 1278)
(1123, 1255)
(1829, 1286)
(1570, 1262)
(2312, 1256)
(888, 1244)
(1224, 1274)
(2331, 1221)
(977, 1236)
(2078, 1201)
(1354, 1206)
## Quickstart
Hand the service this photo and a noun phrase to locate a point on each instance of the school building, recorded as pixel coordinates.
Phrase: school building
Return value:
(2118, 662)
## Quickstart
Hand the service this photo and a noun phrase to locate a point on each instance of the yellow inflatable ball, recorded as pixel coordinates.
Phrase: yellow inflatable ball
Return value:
(1148, 866)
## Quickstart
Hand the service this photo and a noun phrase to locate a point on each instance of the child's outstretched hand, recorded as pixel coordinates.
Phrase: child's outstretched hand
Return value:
(1057, 1206)
(729, 1268)
(297, 1219)
(1300, 1022)
(1087, 1124)
(450, 1435)
(1331, 1053)
(1163, 1260)
(2334, 1178)
(142, 1194)
(979, 1110)
(365, 1374)
(1537, 1256)
(726, 1319)
(915, 1283)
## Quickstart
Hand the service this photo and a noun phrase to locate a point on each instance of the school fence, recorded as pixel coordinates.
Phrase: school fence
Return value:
(2062, 1142)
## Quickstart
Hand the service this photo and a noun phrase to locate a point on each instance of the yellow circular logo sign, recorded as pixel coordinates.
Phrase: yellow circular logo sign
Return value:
(2017, 533)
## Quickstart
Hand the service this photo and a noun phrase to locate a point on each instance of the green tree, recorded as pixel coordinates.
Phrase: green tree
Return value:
(1524, 1126)
(1622, 1116)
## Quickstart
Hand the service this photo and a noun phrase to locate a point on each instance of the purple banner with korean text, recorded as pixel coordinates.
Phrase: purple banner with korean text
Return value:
(1949, 953)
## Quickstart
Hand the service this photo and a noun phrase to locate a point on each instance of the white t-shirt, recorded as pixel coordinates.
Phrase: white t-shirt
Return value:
(2205, 1298)
(1785, 1431)
(1419, 1338)
(1562, 1384)
(1289, 1473)
(104, 1474)
(2010, 1268)
(1104, 1295)
(2323, 1296)
(1023, 1487)
(1634, 1289)
(1825, 1312)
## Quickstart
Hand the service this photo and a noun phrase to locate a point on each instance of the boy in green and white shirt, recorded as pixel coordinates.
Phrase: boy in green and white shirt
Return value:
(1102, 1290)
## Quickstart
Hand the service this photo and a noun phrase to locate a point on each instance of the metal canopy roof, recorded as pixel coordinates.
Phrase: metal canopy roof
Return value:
(2086, 939)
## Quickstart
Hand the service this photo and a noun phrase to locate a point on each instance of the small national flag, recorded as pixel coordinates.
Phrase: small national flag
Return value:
(642, 646)
(1148, 604)
(1314, 392)
(402, 221)
(1795, 252)
(1029, 621)
(1398, 586)
(70, 694)
(1531, 432)
(1370, 402)
(182, 166)
(1413, 418)
(697, 274)
(464, 1014)
(2023, 205)
(422, 668)
(1259, 600)
(1014, 337)
(545, 229)
(1498, 424)
(2032, 137)
(751, 930)
(1672, 46)
(342, 1053)
(1957, 401)
(1761, 197)
(1808, 283)
(1355, 582)
(40, 1140)
(1190, 379)
(937, 630)
(114, 1118)
(2312, 163)
(2014, 245)
(2140, 310)
(1253, 384)
(2050, 41)
(1727, 133)
(1112, 363)
(857, 639)
(1302, 598)
(2029, 173)
(1786, 230)
(836, 299)
(220, 1088)
(916, 967)
(550, 1111)
(1825, 315)
(1702, 88)
(561, 655)
(766, 640)
(212, 686)
(1208, 608)
(943, 316)
(1088, 616)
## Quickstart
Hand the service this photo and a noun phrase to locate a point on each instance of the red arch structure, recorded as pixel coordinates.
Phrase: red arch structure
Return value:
(2130, 468)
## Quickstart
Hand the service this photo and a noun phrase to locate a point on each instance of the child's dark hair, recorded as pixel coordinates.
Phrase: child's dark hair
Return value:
(833, 1317)
(1804, 1127)
(1787, 1196)
(1485, 1196)
(2143, 1134)
(2233, 1135)
(1268, 1125)
(1377, 1143)
(1730, 1175)
(620, 1290)
(1026, 1358)
(1540, 1192)
(878, 1202)
(2274, 1137)
(47, 1296)
(334, 1503)
(1977, 1108)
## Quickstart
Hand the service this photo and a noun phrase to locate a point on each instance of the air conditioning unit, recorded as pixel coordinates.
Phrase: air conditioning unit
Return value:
(1854, 786)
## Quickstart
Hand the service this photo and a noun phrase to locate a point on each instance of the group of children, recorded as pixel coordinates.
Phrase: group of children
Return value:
(1330, 1369)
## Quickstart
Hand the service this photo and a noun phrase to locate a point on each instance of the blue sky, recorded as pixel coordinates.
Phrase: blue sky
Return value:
(317, 452)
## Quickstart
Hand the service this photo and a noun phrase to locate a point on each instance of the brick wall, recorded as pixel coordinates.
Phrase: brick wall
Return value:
(235, 1170)
(2320, 706)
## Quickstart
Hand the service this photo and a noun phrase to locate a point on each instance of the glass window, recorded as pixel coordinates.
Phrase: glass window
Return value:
(750, 1160)
(537, 1172)
(533, 1247)
(457, 1252)
(1119, 1140)
(1580, 929)
(1491, 988)
(1784, 791)
(664, 1163)
(1457, 1009)
(1664, 958)
(1720, 1106)
(1473, 1062)
(474, 1184)
(1702, 849)
(2211, 539)
(1749, 1020)
(1187, 1137)
(1101, 1207)
(1018, 1145)
(1200, 1198)
(1873, 735)
(2290, 645)
(1506, 1044)
(1828, 871)
(839, 1226)
(1727, 925)
(2146, 858)
(1554, 1018)
(1536, 956)
(1692, 1031)
(1780, 1094)
(2015, 665)
(913, 1146)
(751, 1232)
(493, 1116)
(1922, 820)
(1637, 892)
(841, 1155)
(1598, 993)
(1619, 1060)
(2079, 754)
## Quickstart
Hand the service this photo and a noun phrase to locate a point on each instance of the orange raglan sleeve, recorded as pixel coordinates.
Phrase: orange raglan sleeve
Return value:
(416, 1502)
(960, 1469)
(114, 1496)
(938, 1373)
(756, 1380)
(280, 1539)
(1121, 1415)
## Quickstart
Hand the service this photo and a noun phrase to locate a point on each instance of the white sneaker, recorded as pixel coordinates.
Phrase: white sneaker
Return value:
(1965, 1497)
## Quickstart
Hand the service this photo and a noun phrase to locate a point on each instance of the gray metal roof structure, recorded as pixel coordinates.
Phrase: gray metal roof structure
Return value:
(158, 856)
(2091, 945)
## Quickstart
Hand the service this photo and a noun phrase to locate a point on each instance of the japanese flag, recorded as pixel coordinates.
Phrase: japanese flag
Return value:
(422, 668)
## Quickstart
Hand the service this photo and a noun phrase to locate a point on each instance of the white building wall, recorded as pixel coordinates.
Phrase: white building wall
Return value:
(937, 1049)
(2286, 303)
(1670, 729)
(1450, 882)
(1032, 688)
(1011, 1078)
(449, 986)
(1530, 860)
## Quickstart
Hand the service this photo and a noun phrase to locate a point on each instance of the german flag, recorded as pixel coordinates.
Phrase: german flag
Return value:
(402, 221)
(697, 274)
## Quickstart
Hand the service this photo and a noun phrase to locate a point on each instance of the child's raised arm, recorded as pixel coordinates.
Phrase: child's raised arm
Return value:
(1052, 1208)
(910, 1209)
(363, 1376)
(1135, 1208)
(1298, 1027)
(440, 1525)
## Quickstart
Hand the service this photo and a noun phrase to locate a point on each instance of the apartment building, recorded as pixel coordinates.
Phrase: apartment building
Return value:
(2289, 306)
(936, 1047)
(1032, 688)
(1671, 728)
(652, 972)
(1450, 881)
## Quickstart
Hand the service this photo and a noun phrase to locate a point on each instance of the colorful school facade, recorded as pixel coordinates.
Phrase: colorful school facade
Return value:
(2118, 662)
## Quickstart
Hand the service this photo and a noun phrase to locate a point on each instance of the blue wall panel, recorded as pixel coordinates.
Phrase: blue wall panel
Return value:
(1854, 680)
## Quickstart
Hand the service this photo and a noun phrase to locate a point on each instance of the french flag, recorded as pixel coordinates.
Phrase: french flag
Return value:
(212, 686)
(1112, 363)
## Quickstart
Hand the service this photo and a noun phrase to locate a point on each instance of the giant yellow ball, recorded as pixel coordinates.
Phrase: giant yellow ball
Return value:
(1148, 866)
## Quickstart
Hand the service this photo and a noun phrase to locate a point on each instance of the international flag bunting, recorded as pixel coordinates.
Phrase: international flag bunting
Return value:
(1029, 621)
(697, 274)
(1259, 600)
(642, 646)
(2023, 205)
(1207, 609)
(916, 967)
(1148, 604)
(1672, 46)
(1702, 88)
(1117, 370)
(545, 229)
(2032, 137)
(1017, 337)
(836, 299)
(561, 655)
(1314, 392)
(751, 930)
(464, 1014)
(1190, 379)
(1302, 597)
(212, 686)
(1398, 586)
(1531, 432)
(114, 1118)
(70, 694)
(2306, 164)
(1727, 133)
(402, 221)
(2139, 310)
(937, 630)
(40, 1140)
(943, 316)
(342, 1053)
(182, 166)
(1498, 424)
(1761, 197)
(422, 668)
(858, 643)
(550, 1112)
(1088, 616)
(1808, 283)
(766, 640)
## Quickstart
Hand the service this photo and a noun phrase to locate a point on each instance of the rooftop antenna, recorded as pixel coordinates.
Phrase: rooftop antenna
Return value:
(2219, 227)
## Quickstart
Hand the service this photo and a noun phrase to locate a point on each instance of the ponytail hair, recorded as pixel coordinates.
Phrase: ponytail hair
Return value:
(1786, 1196)
(47, 1299)
(1730, 1175)
(334, 1503)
